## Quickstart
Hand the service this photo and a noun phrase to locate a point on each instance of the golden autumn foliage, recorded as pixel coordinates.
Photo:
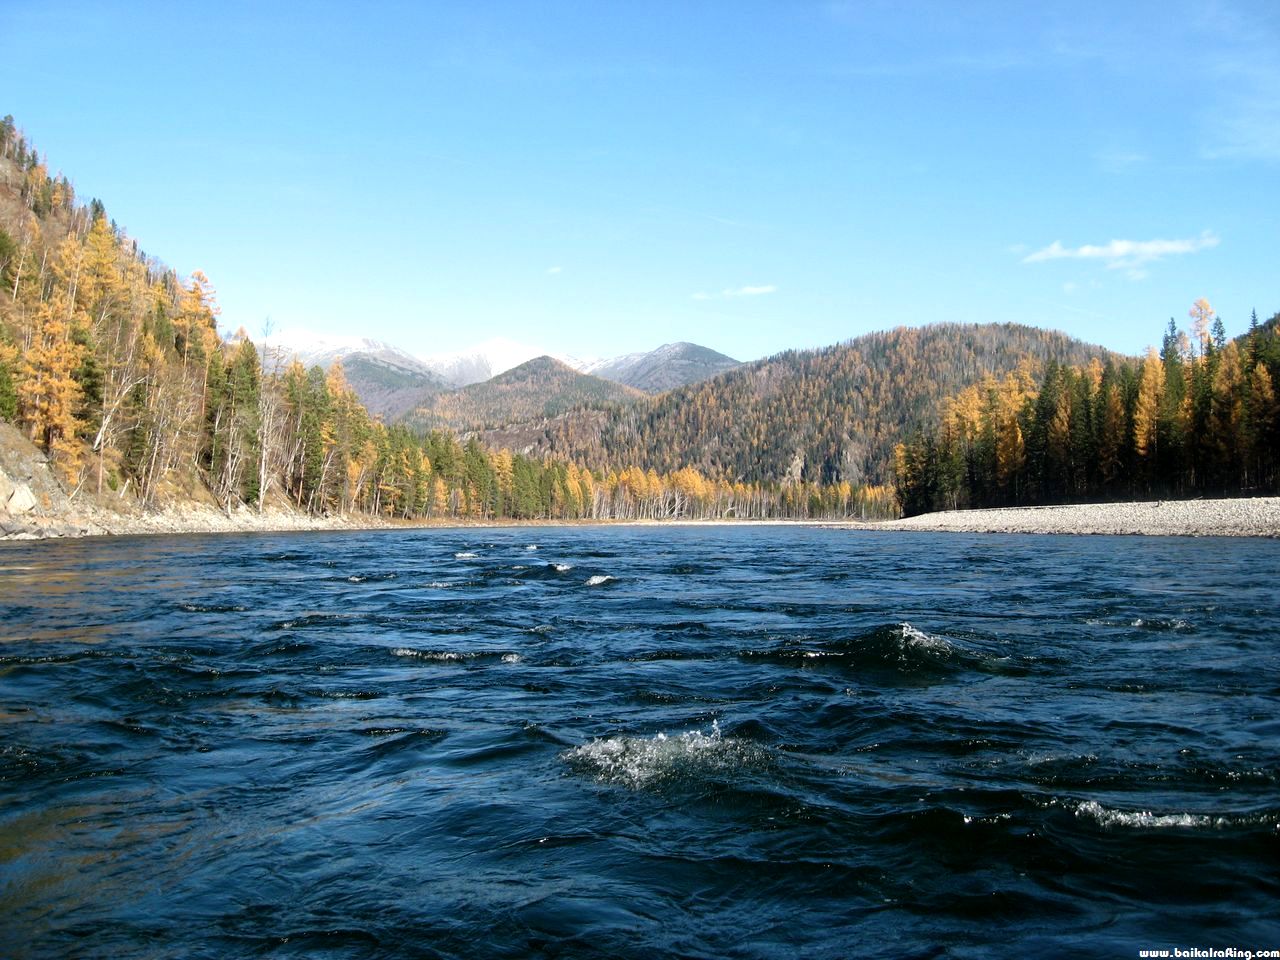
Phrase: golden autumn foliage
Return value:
(1146, 413)
(1180, 422)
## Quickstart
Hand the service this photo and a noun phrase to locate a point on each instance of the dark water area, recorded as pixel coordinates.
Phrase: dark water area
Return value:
(638, 742)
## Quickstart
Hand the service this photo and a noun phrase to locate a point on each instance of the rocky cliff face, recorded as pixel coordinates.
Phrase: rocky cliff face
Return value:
(33, 504)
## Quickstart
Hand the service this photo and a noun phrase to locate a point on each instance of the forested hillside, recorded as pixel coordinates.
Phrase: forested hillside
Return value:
(816, 416)
(388, 387)
(542, 387)
(1199, 417)
(113, 364)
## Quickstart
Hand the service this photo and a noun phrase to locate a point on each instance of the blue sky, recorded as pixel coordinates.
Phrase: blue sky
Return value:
(599, 178)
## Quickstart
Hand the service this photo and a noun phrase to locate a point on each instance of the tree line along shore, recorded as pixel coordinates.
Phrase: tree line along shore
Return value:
(142, 414)
(1197, 418)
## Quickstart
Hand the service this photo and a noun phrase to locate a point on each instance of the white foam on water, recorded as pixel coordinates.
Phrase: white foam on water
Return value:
(647, 761)
(441, 656)
(599, 579)
(532, 546)
(914, 638)
(562, 567)
(439, 585)
(1177, 623)
(464, 555)
(1146, 820)
(511, 658)
(356, 579)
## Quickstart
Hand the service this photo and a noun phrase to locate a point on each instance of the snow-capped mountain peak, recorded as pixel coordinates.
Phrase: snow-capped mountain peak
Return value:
(488, 359)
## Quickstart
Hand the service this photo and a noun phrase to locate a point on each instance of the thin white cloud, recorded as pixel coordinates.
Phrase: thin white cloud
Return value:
(552, 271)
(1120, 161)
(1242, 70)
(732, 292)
(1129, 255)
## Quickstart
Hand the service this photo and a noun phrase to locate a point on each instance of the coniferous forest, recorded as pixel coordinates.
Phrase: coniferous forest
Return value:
(822, 416)
(114, 365)
(1198, 417)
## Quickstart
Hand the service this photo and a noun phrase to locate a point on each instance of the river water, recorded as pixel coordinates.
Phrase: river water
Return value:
(638, 742)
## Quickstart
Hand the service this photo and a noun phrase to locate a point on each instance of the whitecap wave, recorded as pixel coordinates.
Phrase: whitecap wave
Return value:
(443, 656)
(511, 658)
(532, 546)
(599, 579)
(1175, 623)
(914, 638)
(562, 567)
(1146, 820)
(464, 555)
(648, 761)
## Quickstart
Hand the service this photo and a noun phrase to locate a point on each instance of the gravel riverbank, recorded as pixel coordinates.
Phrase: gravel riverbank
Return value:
(1253, 517)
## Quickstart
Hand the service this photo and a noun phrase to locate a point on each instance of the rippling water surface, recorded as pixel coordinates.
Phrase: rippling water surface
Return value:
(746, 742)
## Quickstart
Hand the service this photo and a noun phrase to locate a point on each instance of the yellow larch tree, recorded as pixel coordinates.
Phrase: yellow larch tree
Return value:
(1202, 315)
(1146, 414)
(48, 392)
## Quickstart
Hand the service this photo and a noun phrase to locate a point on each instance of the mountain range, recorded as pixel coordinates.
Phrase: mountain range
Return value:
(819, 416)
(446, 389)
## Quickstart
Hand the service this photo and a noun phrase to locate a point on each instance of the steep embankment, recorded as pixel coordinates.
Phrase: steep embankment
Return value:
(34, 505)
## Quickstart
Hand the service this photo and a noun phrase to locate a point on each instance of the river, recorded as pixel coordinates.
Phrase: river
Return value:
(638, 742)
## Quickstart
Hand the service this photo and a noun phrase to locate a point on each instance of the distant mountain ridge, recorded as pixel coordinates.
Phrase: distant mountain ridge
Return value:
(391, 382)
(459, 369)
(671, 365)
(489, 359)
(538, 389)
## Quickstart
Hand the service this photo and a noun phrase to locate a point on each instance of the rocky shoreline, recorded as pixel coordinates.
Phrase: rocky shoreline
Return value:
(89, 521)
(1256, 517)
(35, 506)
(1248, 517)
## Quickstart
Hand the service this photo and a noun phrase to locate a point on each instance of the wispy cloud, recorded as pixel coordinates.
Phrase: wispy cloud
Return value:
(1242, 67)
(552, 271)
(1119, 161)
(1128, 255)
(730, 293)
